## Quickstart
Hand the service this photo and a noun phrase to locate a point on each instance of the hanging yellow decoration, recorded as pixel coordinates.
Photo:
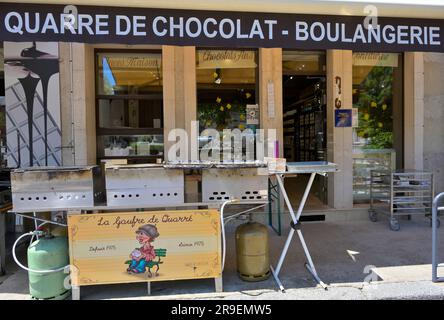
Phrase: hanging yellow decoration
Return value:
(241, 126)
(222, 109)
(215, 75)
(242, 117)
(218, 100)
(366, 116)
(228, 106)
(373, 104)
(384, 107)
(248, 95)
(380, 125)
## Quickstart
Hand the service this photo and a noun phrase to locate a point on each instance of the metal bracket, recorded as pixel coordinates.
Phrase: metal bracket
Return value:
(295, 226)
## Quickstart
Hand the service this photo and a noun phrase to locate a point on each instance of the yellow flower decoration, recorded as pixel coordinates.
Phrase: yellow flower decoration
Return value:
(248, 95)
(241, 126)
(222, 109)
(373, 104)
(242, 117)
(384, 107)
(218, 100)
(228, 106)
(380, 125)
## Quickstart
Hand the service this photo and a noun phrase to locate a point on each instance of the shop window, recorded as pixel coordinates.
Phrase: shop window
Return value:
(378, 99)
(226, 89)
(303, 63)
(129, 105)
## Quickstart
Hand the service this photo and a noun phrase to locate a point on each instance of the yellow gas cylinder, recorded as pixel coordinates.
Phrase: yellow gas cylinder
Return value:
(252, 252)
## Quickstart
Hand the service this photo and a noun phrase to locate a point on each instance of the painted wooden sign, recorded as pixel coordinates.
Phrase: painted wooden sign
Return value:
(144, 246)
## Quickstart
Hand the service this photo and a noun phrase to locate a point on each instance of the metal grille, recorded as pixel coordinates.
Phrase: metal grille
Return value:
(242, 184)
(144, 185)
(56, 188)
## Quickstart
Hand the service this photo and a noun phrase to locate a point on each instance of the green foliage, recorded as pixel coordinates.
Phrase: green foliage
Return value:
(376, 108)
(225, 110)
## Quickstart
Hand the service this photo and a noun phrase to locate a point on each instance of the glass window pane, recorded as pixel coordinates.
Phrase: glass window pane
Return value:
(226, 83)
(377, 95)
(129, 102)
(129, 73)
(130, 113)
(303, 62)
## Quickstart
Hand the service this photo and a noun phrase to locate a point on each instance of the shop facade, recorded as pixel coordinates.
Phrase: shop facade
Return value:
(119, 99)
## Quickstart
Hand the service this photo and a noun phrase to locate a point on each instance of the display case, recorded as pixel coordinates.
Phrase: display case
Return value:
(364, 161)
(130, 146)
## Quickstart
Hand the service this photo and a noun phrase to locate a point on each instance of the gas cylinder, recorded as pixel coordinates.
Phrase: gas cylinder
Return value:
(252, 252)
(48, 253)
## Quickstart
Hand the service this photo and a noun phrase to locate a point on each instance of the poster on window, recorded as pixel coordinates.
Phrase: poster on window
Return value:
(32, 95)
(252, 114)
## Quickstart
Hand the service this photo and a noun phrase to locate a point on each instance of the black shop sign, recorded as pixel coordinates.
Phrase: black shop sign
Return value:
(92, 24)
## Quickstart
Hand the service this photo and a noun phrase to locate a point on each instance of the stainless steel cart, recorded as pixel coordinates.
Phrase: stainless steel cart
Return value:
(435, 222)
(400, 193)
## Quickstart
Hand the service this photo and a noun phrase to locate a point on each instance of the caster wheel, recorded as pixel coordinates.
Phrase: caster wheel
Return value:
(372, 216)
(394, 225)
(438, 223)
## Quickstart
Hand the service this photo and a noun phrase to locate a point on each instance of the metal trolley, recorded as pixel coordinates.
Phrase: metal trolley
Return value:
(400, 193)
(435, 223)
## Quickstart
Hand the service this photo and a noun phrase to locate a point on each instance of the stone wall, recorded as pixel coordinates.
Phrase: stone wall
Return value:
(434, 116)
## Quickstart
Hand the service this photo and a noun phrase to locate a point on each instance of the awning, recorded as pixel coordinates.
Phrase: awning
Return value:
(432, 9)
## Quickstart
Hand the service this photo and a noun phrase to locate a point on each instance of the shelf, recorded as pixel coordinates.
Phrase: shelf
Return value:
(400, 192)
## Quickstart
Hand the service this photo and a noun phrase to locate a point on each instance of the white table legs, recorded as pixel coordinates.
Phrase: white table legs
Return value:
(295, 226)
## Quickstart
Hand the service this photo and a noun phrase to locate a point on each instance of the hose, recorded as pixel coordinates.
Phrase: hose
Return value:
(37, 229)
(32, 233)
(222, 225)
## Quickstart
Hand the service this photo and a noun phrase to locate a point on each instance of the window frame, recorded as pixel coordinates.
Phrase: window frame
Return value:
(256, 80)
(125, 131)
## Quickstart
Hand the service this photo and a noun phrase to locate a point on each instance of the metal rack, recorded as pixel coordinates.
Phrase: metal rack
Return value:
(400, 193)
(435, 225)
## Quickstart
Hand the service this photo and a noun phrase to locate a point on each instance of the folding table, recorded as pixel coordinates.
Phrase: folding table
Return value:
(294, 168)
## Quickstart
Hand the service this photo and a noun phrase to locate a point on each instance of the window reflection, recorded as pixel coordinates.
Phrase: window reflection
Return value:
(129, 102)
(226, 90)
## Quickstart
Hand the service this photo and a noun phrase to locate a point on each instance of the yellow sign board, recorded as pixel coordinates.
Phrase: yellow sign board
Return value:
(144, 246)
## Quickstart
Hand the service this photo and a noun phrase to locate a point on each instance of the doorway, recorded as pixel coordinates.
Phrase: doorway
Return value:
(305, 121)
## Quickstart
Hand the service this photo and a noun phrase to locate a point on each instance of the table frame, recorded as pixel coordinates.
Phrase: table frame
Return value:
(296, 227)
